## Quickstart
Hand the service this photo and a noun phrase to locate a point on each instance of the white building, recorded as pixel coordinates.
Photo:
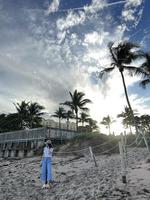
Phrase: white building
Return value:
(54, 124)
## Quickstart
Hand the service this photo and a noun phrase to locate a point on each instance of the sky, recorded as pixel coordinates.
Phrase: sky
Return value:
(51, 47)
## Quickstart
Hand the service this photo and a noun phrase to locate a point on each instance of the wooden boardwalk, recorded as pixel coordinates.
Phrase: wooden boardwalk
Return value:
(37, 134)
(26, 142)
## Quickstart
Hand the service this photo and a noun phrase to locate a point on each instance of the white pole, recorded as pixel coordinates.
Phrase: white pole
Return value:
(93, 156)
(122, 163)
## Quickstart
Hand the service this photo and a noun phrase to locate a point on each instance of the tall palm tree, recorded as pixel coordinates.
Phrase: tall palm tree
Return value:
(22, 110)
(60, 114)
(146, 67)
(122, 56)
(77, 102)
(35, 113)
(84, 117)
(107, 121)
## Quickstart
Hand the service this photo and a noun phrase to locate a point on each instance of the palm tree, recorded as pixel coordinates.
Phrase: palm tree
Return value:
(3, 118)
(11, 122)
(83, 118)
(107, 121)
(29, 114)
(146, 67)
(68, 115)
(92, 124)
(122, 56)
(127, 118)
(34, 111)
(60, 114)
(22, 110)
(145, 122)
(77, 102)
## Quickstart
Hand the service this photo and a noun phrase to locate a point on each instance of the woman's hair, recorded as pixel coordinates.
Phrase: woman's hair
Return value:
(50, 145)
(47, 145)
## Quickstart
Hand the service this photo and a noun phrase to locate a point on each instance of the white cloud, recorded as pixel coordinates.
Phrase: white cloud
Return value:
(95, 38)
(132, 11)
(53, 7)
(71, 20)
(75, 18)
(61, 36)
(128, 15)
(133, 3)
(95, 6)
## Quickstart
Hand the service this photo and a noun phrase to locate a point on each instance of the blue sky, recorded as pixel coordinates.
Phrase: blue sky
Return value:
(50, 47)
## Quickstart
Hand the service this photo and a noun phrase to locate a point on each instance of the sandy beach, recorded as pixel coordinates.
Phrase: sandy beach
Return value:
(77, 178)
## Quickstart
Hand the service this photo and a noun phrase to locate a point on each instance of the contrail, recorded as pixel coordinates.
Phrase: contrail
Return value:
(83, 8)
(79, 8)
(115, 3)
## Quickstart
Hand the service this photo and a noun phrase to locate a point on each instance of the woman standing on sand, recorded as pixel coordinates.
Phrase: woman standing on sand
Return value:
(46, 171)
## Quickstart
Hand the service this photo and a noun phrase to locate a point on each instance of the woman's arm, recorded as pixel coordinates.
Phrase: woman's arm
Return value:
(51, 150)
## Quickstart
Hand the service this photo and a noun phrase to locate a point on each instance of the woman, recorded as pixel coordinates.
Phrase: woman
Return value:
(46, 171)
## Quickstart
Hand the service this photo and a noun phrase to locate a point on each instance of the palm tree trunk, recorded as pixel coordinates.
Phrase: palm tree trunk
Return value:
(109, 129)
(126, 94)
(130, 129)
(82, 123)
(31, 122)
(77, 120)
(60, 130)
(128, 102)
(67, 123)
(59, 123)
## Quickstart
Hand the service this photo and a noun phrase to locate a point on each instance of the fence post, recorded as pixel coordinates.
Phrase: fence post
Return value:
(123, 165)
(146, 143)
(125, 137)
(124, 142)
(93, 156)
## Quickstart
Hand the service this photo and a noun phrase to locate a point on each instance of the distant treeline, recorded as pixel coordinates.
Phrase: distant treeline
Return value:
(27, 115)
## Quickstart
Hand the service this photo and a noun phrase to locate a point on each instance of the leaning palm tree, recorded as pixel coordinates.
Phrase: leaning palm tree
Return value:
(122, 56)
(146, 67)
(77, 102)
(60, 114)
(107, 121)
(35, 113)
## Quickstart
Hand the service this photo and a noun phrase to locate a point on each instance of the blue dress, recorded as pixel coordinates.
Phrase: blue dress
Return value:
(46, 171)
